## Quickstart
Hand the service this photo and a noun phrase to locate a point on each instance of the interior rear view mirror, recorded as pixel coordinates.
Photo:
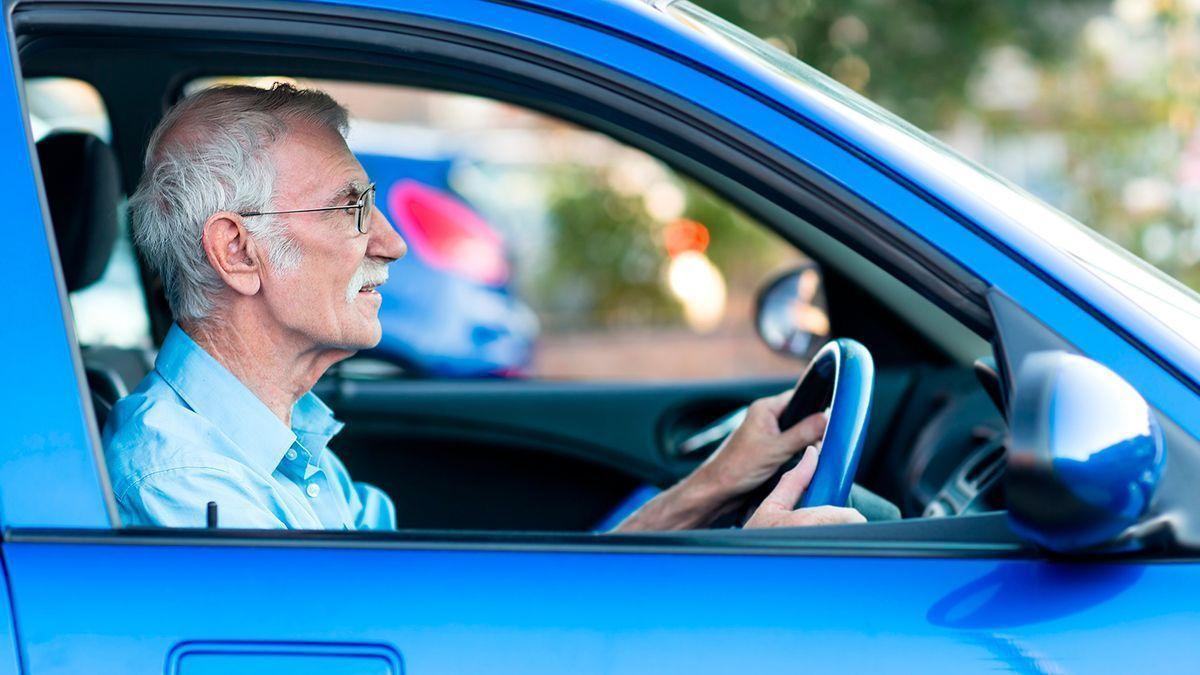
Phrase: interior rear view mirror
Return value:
(1085, 455)
(792, 317)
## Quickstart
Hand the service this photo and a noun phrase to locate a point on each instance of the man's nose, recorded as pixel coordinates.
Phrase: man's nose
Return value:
(385, 241)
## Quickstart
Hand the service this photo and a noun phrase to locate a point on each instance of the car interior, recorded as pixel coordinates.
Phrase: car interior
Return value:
(535, 455)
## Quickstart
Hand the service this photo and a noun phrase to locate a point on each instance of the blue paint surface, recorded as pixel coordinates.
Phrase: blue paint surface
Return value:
(253, 657)
(99, 608)
(1077, 423)
(48, 468)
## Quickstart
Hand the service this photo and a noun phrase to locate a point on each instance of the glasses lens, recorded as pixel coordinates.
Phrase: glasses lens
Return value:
(366, 210)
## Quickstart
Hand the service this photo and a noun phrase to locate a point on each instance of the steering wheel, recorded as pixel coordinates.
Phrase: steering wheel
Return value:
(840, 379)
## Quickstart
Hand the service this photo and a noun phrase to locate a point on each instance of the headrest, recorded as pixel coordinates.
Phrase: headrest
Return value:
(80, 175)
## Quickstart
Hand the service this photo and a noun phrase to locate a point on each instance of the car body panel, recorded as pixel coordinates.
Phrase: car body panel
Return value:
(123, 608)
(47, 436)
(10, 654)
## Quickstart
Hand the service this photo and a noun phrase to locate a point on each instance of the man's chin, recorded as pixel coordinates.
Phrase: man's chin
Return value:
(358, 334)
(372, 336)
(367, 331)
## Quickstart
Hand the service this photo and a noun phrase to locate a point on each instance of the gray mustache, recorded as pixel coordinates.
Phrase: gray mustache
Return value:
(369, 272)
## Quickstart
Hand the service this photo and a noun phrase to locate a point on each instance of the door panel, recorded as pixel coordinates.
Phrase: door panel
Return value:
(123, 607)
(463, 482)
(613, 423)
(10, 663)
(521, 455)
(294, 658)
(536, 455)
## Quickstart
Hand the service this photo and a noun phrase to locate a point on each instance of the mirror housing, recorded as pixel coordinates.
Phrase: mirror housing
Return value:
(1085, 453)
(791, 315)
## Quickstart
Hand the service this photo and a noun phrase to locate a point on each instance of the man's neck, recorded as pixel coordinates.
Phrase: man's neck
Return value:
(276, 367)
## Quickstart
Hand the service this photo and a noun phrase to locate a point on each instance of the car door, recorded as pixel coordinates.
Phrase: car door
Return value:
(941, 595)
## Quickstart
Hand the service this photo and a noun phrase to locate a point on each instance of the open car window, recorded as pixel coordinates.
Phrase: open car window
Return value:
(537, 249)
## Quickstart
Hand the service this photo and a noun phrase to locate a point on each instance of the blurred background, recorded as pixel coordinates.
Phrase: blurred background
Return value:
(539, 249)
(1090, 105)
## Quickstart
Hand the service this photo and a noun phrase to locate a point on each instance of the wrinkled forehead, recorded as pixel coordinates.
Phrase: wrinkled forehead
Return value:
(314, 164)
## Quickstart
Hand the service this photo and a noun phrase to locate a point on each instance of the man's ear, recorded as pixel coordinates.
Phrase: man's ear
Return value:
(232, 252)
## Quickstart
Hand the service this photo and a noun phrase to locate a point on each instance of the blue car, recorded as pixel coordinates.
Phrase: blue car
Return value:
(1026, 393)
(449, 311)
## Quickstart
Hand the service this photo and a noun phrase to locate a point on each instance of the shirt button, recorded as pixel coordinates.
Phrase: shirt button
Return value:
(292, 454)
(313, 490)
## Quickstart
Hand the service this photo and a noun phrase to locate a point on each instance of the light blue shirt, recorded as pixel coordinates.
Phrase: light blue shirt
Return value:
(192, 433)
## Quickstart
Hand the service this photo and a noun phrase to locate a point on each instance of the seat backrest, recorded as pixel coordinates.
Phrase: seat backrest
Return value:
(83, 188)
(79, 173)
(107, 388)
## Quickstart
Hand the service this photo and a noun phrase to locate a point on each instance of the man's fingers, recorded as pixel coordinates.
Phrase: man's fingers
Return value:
(805, 432)
(775, 404)
(809, 517)
(824, 515)
(793, 483)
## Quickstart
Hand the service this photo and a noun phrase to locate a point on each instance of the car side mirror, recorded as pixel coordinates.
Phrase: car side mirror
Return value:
(1085, 453)
(792, 317)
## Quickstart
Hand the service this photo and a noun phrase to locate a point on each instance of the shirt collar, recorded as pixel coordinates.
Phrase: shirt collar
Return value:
(213, 392)
(314, 425)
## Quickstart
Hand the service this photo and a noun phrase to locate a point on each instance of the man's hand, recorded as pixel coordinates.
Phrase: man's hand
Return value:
(779, 508)
(746, 459)
(754, 451)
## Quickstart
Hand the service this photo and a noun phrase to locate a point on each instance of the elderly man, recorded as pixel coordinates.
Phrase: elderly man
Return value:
(263, 228)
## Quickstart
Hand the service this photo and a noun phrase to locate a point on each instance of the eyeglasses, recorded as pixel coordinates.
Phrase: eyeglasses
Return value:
(365, 207)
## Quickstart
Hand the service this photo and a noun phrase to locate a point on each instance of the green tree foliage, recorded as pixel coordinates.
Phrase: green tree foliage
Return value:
(610, 258)
(607, 263)
(1112, 87)
(914, 57)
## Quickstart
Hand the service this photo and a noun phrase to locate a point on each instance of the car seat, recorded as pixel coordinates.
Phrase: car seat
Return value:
(80, 175)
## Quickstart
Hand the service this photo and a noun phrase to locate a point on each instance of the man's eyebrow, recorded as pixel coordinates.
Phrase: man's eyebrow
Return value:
(352, 188)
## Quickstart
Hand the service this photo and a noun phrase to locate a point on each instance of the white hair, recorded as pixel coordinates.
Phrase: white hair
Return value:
(210, 153)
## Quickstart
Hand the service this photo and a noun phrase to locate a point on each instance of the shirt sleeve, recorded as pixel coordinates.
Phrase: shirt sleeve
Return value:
(179, 497)
(370, 507)
(374, 509)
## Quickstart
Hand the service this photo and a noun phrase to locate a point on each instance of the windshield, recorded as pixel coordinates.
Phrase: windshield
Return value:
(1168, 301)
